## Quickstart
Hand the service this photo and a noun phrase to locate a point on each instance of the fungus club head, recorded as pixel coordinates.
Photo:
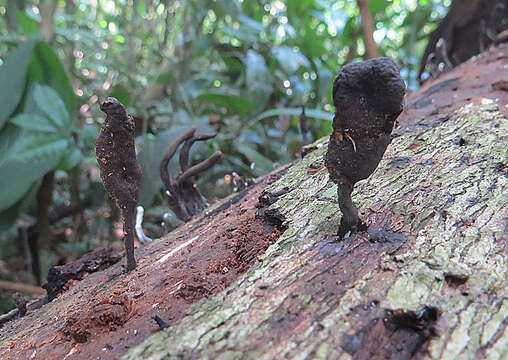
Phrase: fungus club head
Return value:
(368, 97)
(113, 108)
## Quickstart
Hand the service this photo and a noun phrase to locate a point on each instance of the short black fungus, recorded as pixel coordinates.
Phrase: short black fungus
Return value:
(368, 98)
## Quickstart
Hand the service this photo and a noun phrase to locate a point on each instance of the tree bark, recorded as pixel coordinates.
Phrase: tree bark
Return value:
(47, 10)
(368, 29)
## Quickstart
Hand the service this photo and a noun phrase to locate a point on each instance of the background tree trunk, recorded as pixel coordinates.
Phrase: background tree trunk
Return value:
(427, 280)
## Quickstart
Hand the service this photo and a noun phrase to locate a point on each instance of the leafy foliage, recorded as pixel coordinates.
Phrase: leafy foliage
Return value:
(38, 135)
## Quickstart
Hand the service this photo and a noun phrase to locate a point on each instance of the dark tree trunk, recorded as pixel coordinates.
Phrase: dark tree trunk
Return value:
(469, 28)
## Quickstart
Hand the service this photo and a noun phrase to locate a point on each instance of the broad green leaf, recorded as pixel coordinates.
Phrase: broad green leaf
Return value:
(258, 78)
(289, 58)
(10, 138)
(311, 113)
(33, 122)
(12, 75)
(259, 163)
(251, 23)
(45, 68)
(53, 106)
(121, 93)
(23, 168)
(40, 149)
(27, 26)
(21, 177)
(234, 103)
(10, 215)
(377, 5)
(71, 158)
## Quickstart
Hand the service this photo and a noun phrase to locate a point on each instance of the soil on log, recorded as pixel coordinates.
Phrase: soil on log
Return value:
(262, 276)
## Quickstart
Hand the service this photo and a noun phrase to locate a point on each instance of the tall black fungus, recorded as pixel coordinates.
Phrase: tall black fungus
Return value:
(119, 168)
(368, 97)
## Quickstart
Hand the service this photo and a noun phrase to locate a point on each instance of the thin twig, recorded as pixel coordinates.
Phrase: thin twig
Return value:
(352, 141)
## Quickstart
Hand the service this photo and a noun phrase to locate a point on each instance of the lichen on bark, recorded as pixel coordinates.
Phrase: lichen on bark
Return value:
(443, 191)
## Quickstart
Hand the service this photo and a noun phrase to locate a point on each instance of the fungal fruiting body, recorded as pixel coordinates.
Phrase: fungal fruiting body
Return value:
(119, 168)
(368, 98)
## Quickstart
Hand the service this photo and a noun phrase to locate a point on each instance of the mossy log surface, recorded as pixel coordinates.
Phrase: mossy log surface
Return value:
(437, 210)
(437, 214)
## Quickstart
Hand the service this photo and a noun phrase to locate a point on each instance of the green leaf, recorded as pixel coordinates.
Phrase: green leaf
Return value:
(121, 93)
(38, 155)
(26, 25)
(311, 113)
(258, 78)
(33, 122)
(12, 77)
(377, 6)
(234, 103)
(71, 158)
(53, 106)
(45, 68)
(259, 163)
(289, 58)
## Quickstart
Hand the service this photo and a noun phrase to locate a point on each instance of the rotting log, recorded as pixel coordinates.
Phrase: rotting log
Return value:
(314, 297)
(437, 212)
(428, 280)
